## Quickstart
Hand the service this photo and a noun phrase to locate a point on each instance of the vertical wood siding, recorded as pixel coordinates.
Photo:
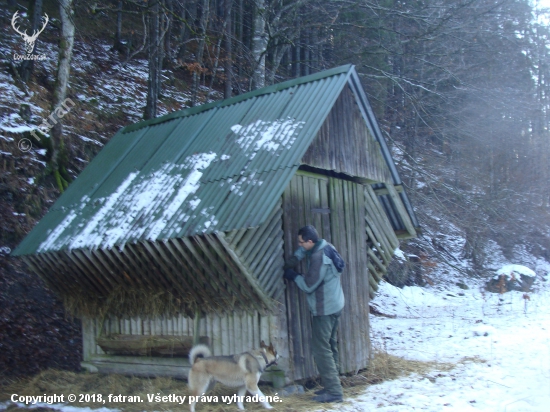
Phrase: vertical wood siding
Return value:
(344, 144)
(304, 193)
(229, 334)
(336, 208)
(349, 235)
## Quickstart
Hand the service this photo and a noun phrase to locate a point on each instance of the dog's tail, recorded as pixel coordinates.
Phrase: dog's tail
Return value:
(199, 351)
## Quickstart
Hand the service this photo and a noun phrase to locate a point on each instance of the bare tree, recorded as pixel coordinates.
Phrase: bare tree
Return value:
(154, 55)
(58, 158)
(259, 46)
(37, 19)
(118, 45)
(198, 67)
(228, 63)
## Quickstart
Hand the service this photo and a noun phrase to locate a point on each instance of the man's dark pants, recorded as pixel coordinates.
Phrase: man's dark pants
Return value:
(325, 351)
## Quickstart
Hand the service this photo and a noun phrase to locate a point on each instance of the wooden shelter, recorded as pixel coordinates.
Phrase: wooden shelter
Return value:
(180, 226)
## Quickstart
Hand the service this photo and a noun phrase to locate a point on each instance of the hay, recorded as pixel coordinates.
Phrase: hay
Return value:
(145, 302)
(130, 302)
(383, 367)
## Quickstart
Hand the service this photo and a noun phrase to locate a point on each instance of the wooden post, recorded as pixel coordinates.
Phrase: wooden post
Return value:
(196, 327)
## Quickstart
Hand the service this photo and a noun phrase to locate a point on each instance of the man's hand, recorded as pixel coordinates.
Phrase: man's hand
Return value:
(290, 274)
(291, 263)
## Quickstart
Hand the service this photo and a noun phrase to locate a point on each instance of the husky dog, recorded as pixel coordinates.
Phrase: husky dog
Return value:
(241, 371)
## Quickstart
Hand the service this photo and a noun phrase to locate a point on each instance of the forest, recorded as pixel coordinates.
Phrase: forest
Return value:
(459, 87)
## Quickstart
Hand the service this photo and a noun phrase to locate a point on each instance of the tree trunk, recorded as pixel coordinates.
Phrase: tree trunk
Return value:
(168, 54)
(161, 51)
(184, 31)
(224, 34)
(296, 51)
(35, 13)
(307, 53)
(59, 157)
(118, 30)
(296, 67)
(154, 70)
(259, 46)
(240, 40)
(314, 50)
(200, 51)
(228, 63)
(279, 53)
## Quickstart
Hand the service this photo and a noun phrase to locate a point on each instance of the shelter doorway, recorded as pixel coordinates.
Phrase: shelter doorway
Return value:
(336, 208)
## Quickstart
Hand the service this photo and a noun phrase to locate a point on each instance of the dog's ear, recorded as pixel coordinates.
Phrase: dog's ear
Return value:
(270, 347)
(263, 345)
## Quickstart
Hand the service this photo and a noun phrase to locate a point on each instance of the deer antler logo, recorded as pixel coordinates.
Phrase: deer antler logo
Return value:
(29, 40)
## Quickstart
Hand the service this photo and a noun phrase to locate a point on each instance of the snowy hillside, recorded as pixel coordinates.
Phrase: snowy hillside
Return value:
(500, 344)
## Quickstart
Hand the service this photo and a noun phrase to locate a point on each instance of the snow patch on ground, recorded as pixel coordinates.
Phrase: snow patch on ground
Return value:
(504, 338)
(509, 270)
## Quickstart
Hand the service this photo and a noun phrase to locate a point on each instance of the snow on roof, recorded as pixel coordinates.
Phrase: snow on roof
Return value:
(267, 135)
(115, 220)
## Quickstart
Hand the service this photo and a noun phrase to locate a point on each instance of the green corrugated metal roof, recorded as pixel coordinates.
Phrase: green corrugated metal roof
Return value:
(217, 167)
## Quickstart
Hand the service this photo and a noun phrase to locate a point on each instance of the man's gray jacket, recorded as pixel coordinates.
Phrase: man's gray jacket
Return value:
(321, 283)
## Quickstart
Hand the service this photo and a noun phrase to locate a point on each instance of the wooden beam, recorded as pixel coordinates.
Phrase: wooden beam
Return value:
(142, 366)
(131, 265)
(211, 276)
(383, 220)
(132, 280)
(150, 271)
(375, 273)
(93, 261)
(380, 265)
(233, 287)
(176, 280)
(372, 283)
(57, 287)
(197, 288)
(377, 241)
(385, 191)
(403, 234)
(252, 282)
(196, 327)
(199, 277)
(92, 280)
(401, 209)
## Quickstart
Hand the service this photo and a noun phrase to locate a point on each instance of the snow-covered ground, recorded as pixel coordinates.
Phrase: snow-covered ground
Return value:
(500, 343)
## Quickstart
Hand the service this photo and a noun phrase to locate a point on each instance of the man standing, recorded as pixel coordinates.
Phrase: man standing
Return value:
(325, 298)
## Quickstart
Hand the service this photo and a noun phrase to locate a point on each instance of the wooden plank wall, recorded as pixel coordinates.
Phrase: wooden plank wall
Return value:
(231, 333)
(336, 208)
(304, 193)
(344, 144)
(349, 236)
